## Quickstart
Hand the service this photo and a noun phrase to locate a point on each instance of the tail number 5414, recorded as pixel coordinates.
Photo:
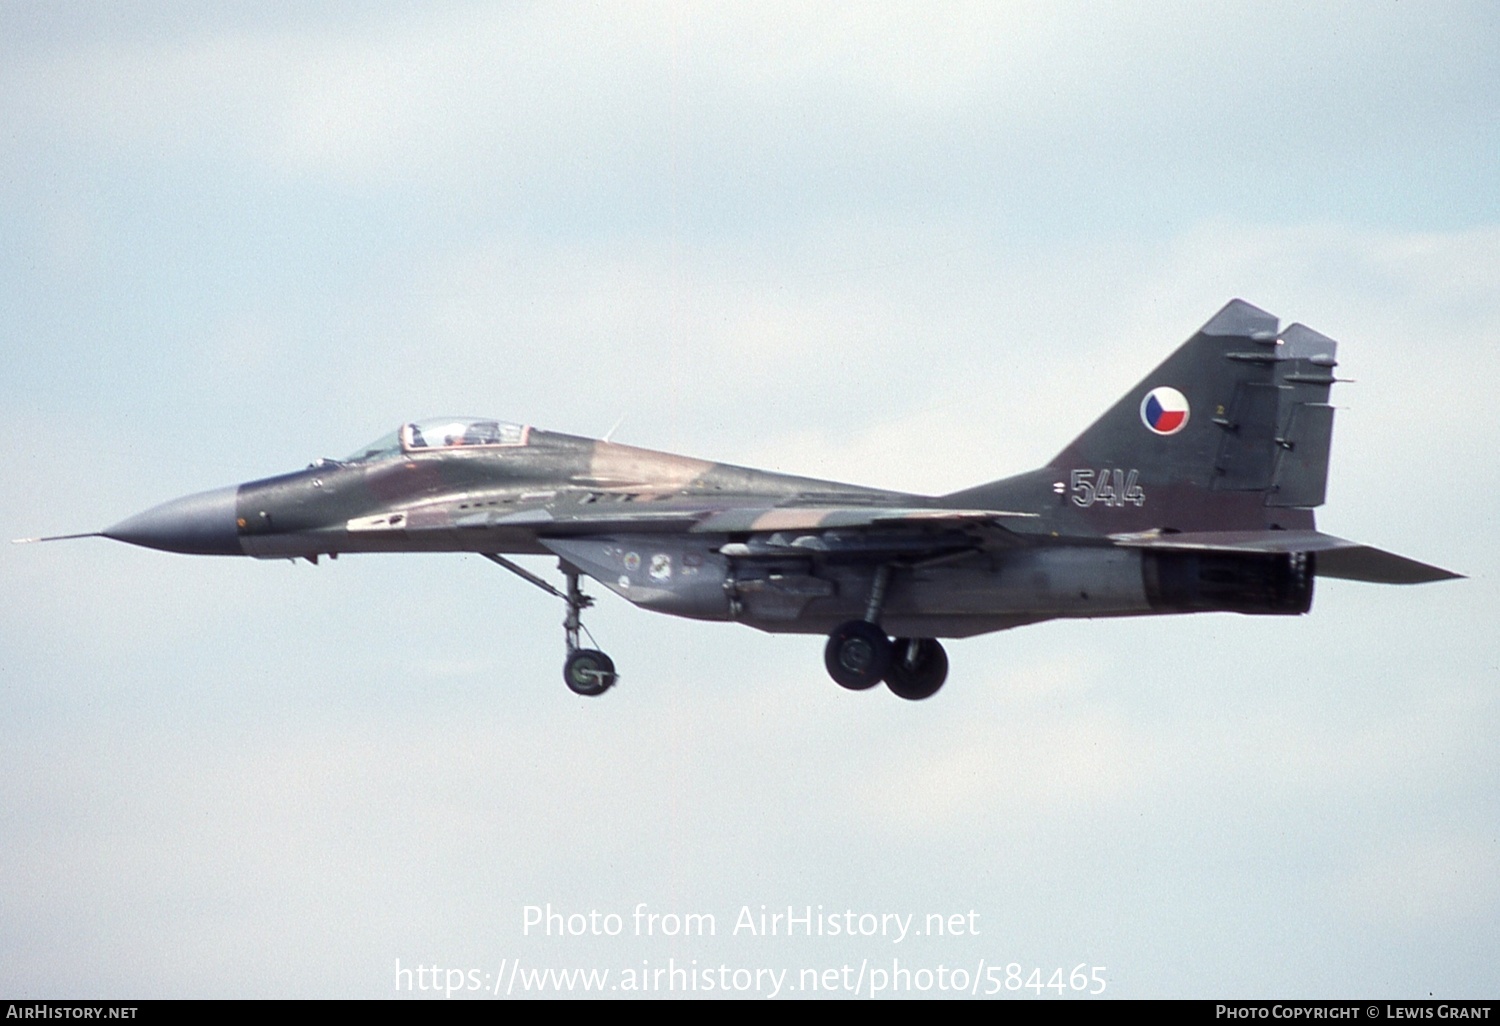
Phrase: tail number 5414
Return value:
(1107, 487)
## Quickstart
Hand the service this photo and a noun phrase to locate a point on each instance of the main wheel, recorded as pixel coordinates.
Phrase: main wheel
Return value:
(918, 668)
(589, 672)
(858, 655)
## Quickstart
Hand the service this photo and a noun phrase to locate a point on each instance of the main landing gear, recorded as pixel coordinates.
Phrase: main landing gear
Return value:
(586, 671)
(918, 670)
(859, 655)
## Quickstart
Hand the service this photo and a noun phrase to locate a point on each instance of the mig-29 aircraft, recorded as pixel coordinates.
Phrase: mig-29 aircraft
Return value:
(1193, 493)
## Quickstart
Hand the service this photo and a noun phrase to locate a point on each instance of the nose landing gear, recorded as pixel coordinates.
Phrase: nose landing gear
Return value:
(586, 671)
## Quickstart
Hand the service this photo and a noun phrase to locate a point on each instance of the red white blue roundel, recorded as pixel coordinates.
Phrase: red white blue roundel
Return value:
(1164, 410)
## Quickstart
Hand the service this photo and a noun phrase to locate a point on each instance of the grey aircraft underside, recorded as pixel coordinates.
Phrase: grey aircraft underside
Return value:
(1194, 493)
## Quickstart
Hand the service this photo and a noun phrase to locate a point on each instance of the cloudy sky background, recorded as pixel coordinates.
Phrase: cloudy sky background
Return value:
(911, 246)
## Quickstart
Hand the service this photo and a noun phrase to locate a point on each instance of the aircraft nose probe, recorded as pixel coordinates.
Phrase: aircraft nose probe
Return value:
(199, 525)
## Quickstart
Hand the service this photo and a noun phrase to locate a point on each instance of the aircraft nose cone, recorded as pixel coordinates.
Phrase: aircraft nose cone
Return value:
(201, 525)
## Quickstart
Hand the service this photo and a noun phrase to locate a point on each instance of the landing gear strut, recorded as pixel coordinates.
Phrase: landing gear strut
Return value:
(919, 668)
(858, 652)
(859, 655)
(586, 671)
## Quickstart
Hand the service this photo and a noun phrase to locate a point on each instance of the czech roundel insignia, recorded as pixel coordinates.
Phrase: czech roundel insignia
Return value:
(1164, 410)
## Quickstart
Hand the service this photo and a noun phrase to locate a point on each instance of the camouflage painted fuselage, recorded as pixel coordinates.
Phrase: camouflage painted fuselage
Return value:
(502, 499)
(1194, 492)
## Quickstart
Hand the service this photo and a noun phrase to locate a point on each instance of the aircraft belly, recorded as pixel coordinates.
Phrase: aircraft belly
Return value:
(1026, 586)
(902, 626)
(1054, 581)
(686, 577)
(1035, 583)
(290, 545)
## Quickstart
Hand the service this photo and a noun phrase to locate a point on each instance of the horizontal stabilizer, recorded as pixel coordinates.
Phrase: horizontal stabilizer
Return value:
(1364, 563)
(1335, 556)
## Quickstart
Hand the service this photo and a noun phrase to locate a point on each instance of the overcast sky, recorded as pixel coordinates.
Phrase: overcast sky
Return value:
(913, 246)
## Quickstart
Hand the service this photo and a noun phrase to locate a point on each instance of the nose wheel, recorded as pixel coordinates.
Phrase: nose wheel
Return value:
(588, 672)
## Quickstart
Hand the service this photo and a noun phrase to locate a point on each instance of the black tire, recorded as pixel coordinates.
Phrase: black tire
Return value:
(589, 672)
(917, 678)
(857, 655)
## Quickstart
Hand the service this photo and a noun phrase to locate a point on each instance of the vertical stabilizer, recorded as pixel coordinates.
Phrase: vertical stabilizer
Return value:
(1230, 432)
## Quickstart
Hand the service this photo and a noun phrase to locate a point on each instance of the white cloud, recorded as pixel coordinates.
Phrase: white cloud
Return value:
(1434, 880)
(492, 95)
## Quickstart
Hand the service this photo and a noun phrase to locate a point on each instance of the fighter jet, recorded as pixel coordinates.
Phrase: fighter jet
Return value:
(1193, 493)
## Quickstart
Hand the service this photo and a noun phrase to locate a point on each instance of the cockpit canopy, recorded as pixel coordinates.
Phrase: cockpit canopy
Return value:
(443, 433)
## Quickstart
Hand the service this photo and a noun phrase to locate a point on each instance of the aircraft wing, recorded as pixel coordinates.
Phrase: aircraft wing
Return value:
(1336, 557)
(540, 519)
(546, 520)
(826, 518)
